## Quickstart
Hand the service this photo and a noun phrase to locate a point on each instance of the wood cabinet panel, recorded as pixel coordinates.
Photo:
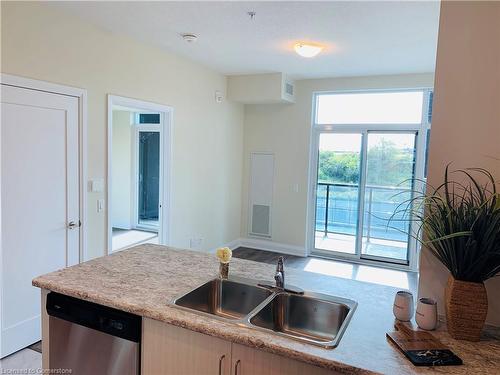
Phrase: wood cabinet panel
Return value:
(258, 362)
(167, 349)
(171, 350)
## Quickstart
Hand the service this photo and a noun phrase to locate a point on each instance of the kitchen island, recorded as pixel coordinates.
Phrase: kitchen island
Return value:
(146, 279)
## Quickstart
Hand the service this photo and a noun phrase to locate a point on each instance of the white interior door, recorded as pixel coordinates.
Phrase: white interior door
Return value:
(39, 203)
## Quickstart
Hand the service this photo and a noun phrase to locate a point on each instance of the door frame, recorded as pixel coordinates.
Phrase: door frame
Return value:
(166, 121)
(317, 129)
(81, 95)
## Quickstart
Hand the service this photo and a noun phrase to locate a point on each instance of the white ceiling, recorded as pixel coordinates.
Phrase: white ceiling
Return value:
(363, 38)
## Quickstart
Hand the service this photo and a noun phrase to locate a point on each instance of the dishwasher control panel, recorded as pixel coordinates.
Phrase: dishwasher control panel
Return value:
(92, 315)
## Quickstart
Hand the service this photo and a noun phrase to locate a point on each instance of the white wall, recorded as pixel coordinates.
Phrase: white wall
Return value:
(121, 195)
(466, 118)
(258, 88)
(285, 130)
(46, 44)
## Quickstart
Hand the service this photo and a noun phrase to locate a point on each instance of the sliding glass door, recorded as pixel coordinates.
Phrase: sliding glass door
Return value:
(390, 172)
(363, 175)
(337, 196)
(362, 181)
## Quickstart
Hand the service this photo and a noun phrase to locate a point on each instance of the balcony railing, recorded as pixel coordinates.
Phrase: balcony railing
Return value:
(337, 210)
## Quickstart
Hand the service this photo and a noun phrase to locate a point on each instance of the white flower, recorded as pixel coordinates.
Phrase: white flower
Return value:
(224, 254)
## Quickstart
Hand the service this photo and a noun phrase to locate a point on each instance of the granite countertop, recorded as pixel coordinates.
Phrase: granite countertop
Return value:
(146, 279)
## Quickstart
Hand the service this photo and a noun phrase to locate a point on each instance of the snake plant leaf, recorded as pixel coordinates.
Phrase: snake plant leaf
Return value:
(497, 202)
(459, 222)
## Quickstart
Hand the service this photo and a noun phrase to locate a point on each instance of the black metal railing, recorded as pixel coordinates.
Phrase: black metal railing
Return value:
(337, 210)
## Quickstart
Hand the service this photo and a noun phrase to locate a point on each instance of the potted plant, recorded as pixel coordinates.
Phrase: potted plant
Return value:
(459, 222)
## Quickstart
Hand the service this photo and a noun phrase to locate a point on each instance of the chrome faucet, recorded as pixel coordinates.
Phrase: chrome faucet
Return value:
(279, 276)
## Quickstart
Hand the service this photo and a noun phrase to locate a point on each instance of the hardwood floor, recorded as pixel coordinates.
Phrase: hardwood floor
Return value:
(376, 275)
(268, 257)
(25, 361)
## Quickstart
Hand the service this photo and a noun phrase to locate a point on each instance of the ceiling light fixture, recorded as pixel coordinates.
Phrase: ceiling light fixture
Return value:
(190, 38)
(307, 49)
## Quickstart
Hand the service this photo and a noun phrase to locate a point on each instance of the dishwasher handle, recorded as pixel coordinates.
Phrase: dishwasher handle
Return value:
(92, 315)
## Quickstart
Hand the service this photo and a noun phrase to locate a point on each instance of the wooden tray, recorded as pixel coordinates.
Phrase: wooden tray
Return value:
(421, 347)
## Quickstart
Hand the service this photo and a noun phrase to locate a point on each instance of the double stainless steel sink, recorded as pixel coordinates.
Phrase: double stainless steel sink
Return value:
(313, 318)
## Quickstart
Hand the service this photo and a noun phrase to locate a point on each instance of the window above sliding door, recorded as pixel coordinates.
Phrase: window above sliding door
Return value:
(401, 107)
(367, 158)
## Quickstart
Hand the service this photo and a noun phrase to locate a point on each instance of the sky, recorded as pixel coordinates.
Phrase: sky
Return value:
(403, 107)
(368, 108)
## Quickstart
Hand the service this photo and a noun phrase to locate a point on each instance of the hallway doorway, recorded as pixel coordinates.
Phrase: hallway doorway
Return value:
(139, 142)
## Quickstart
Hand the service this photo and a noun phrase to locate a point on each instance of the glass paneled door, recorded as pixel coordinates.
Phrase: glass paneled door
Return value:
(148, 178)
(368, 152)
(361, 180)
(390, 172)
(337, 192)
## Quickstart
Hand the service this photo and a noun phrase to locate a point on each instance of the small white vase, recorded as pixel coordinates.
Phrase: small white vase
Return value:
(403, 306)
(426, 315)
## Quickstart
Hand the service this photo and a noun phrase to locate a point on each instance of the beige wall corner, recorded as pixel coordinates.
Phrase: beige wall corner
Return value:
(122, 199)
(466, 118)
(285, 130)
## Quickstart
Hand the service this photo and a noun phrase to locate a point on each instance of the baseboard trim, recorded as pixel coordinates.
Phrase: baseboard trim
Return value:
(234, 244)
(260, 244)
(124, 226)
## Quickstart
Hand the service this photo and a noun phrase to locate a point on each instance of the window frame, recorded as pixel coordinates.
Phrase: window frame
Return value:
(422, 132)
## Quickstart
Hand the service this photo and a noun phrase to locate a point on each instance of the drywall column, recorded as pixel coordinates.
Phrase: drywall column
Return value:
(121, 196)
(466, 119)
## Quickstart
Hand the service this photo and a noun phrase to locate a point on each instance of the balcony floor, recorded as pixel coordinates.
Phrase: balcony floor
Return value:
(345, 243)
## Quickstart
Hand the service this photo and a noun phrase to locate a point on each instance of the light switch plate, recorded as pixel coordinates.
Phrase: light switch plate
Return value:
(96, 185)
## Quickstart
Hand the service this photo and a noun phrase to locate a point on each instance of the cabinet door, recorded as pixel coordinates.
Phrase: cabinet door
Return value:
(167, 349)
(249, 361)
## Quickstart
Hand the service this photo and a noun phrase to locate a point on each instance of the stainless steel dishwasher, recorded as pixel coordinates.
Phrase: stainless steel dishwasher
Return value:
(92, 339)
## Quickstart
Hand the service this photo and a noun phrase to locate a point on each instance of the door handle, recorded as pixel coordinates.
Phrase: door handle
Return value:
(221, 360)
(73, 224)
(236, 367)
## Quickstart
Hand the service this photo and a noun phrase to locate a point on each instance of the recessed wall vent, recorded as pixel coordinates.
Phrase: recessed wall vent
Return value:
(261, 194)
(260, 220)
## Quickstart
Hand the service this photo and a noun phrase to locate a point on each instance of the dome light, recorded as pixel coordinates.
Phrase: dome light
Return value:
(307, 49)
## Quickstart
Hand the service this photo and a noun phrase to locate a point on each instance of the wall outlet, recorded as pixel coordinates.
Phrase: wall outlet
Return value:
(195, 243)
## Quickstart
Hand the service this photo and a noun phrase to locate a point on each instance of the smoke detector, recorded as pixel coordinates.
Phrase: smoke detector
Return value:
(190, 38)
